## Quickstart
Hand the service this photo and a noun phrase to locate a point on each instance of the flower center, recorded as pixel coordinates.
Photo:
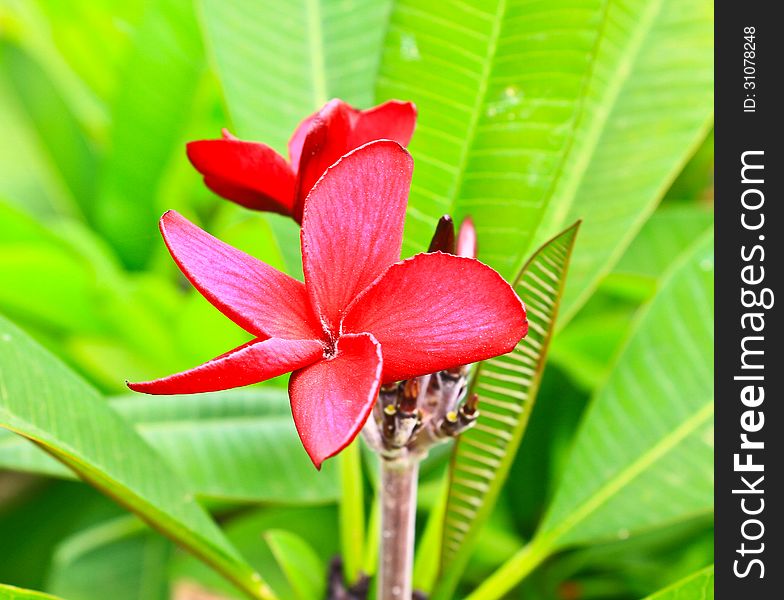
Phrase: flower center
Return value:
(330, 346)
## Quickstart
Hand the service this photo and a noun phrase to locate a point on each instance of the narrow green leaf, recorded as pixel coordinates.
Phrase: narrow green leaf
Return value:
(647, 107)
(43, 401)
(351, 510)
(236, 446)
(498, 85)
(280, 61)
(305, 571)
(149, 114)
(93, 37)
(9, 592)
(59, 131)
(27, 178)
(643, 456)
(119, 559)
(427, 557)
(698, 586)
(315, 525)
(507, 387)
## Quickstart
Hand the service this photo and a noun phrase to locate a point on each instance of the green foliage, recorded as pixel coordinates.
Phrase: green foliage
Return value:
(118, 559)
(532, 114)
(303, 568)
(8, 592)
(695, 587)
(216, 442)
(88, 437)
(636, 129)
(494, 122)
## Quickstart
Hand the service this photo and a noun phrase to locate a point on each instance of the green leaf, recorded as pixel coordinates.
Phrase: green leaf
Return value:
(27, 178)
(59, 132)
(315, 525)
(667, 234)
(42, 400)
(119, 559)
(507, 387)
(280, 61)
(92, 37)
(9, 592)
(498, 85)
(149, 114)
(351, 510)
(698, 586)
(647, 107)
(585, 348)
(643, 456)
(305, 571)
(237, 446)
(535, 114)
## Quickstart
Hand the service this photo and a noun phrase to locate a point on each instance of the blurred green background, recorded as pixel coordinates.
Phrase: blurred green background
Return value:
(97, 101)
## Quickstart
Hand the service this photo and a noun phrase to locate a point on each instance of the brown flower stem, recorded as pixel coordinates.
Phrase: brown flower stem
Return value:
(398, 512)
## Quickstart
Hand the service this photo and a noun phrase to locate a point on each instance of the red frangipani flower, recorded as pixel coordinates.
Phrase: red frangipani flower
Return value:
(254, 175)
(362, 317)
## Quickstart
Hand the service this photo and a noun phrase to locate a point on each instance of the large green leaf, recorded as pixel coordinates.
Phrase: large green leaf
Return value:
(670, 231)
(498, 85)
(280, 61)
(698, 586)
(648, 105)
(643, 455)
(42, 400)
(149, 114)
(238, 446)
(9, 592)
(536, 114)
(586, 347)
(507, 387)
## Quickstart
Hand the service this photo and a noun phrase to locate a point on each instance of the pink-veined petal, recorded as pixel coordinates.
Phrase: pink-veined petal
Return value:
(437, 311)
(257, 297)
(298, 139)
(325, 140)
(331, 399)
(352, 227)
(249, 173)
(336, 129)
(392, 120)
(255, 361)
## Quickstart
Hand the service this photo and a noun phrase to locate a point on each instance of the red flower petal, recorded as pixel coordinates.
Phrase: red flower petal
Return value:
(437, 311)
(393, 120)
(321, 139)
(325, 141)
(255, 296)
(298, 138)
(249, 173)
(250, 363)
(331, 399)
(352, 228)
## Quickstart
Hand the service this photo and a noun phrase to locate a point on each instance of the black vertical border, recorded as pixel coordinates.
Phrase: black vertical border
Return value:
(738, 131)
